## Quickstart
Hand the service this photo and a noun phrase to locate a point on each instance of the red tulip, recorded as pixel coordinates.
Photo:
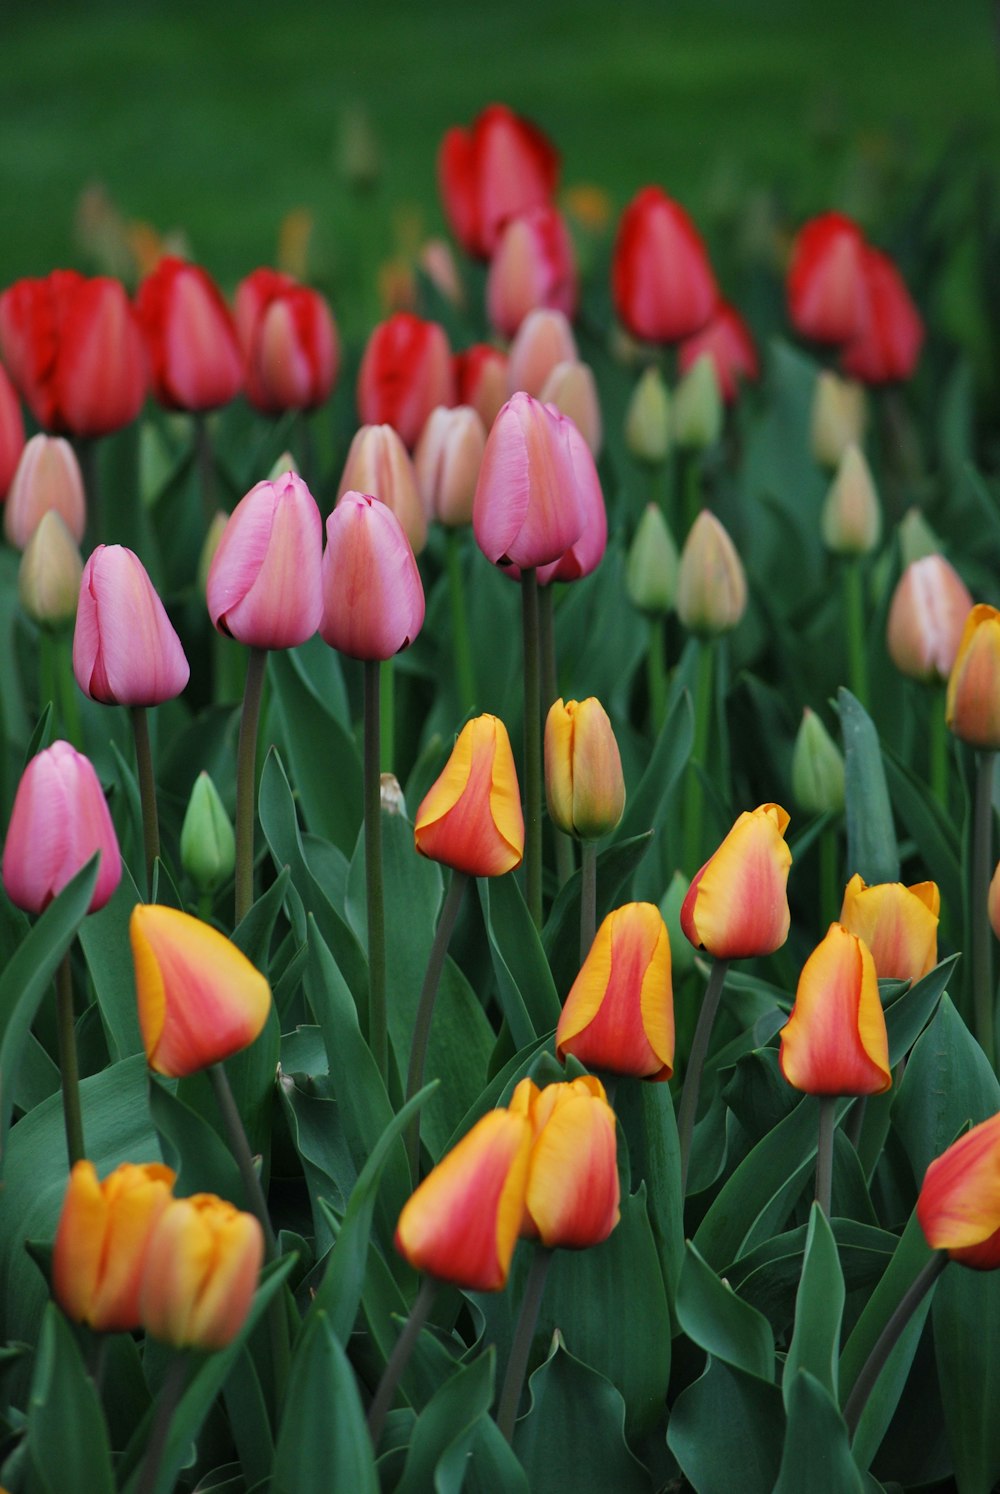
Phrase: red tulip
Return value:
(826, 279)
(737, 904)
(405, 372)
(191, 337)
(729, 343)
(496, 171)
(480, 374)
(11, 431)
(528, 509)
(74, 350)
(661, 280)
(533, 265)
(890, 332)
(289, 341)
(125, 649)
(373, 600)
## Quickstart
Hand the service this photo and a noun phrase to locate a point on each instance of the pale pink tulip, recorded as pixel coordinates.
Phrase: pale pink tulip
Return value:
(47, 477)
(379, 463)
(60, 818)
(125, 650)
(544, 339)
(264, 586)
(373, 600)
(928, 612)
(533, 265)
(528, 509)
(447, 460)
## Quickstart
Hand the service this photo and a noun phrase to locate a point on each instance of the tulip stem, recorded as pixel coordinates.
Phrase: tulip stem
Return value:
(205, 462)
(166, 1404)
(565, 860)
(464, 668)
(387, 709)
(399, 1358)
(824, 1151)
(88, 454)
(889, 1337)
(982, 870)
(69, 1068)
(532, 747)
(68, 690)
(940, 739)
(378, 1032)
(695, 798)
(520, 1349)
(588, 897)
(147, 790)
(240, 1148)
(246, 773)
(696, 1062)
(656, 673)
(854, 623)
(425, 1011)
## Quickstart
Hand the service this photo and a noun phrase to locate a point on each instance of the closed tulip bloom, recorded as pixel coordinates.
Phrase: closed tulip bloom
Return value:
(125, 650)
(586, 553)
(480, 374)
(926, 618)
(193, 348)
(60, 818)
(471, 819)
(264, 585)
(887, 344)
(48, 578)
(647, 419)
(959, 1203)
(619, 1014)
(202, 1265)
(447, 460)
(533, 265)
(839, 417)
(405, 373)
(583, 769)
(102, 1240)
(200, 999)
(826, 279)
(835, 1041)
(500, 168)
(289, 341)
(728, 341)
(661, 280)
(544, 340)
(737, 904)
(899, 925)
(378, 463)
(572, 1197)
(373, 599)
(527, 509)
(711, 583)
(972, 704)
(652, 566)
(74, 350)
(817, 768)
(11, 431)
(462, 1223)
(208, 844)
(851, 520)
(47, 479)
(572, 388)
(697, 412)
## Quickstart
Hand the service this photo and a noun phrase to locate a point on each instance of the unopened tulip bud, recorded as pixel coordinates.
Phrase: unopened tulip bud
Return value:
(528, 510)
(572, 1195)
(926, 618)
(647, 419)
(825, 279)
(373, 598)
(497, 169)
(817, 768)
(916, 538)
(586, 553)
(737, 904)
(285, 463)
(202, 1264)
(661, 281)
(899, 925)
(48, 578)
(447, 460)
(544, 339)
(972, 704)
(851, 521)
(125, 649)
(532, 266)
(438, 263)
(378, 463)
(194, 352)
(405, 373)
(681, 953)
(728, 341)
(47, 477)
(583, 769)
(698, 407)
(959, 1202)
(839, 417)
(264, 587)
(835, 1041)
(11, 430)
(652, 565)
(711, 583)
(481, 380)
(208, 845)
(470, 818)
(573, 391)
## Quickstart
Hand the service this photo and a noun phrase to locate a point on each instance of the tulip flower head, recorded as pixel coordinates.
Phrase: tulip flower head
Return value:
(825, 279)
(586, 553)
(480, 374)
(835, 1041)
(378, 463)
(125, 650)
(711, 582)
(471, 817)
(527, 509)
(647, 419)
(817, 768)
(203, 1260)
(499, 169)
(208, 845)
(959, 1203)
(926, 618)
(572, 388)
(887, 343)
(619, 1014)
(572, 1196)
(289, 341)
(405, 373)
(544, 340)
(651, 570)
(49, 576)
(60, 818)
(373, 599)
(47, 480)
(697, 410)
(728, 342)
(447, 460)
(852, 519)
(972, 704)
(839, 417)
(102, 1242)
(191, 337)
(661, 280)
(200, 999)
(533, 265)
(899, 925)
(11, 430)
(737, 904)
(583, 769)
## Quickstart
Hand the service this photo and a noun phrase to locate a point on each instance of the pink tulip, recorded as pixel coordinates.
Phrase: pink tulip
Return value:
(47, 477)
(378, 463)
(533, 265)
(572, 388)
(264, 587)
(544, 339)
(586, 553)
(60, 819)
(528, 509)
(373, 600)
(289, 340)
(447, 461)
(125, 650)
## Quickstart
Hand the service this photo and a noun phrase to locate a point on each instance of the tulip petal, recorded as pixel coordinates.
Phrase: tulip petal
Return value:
(899, 924)
(835, 1042)
(737, 905)
(471, 818)
(959, 1203)
(573, 1190)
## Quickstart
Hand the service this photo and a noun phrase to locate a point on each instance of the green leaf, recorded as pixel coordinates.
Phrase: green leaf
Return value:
(925, 819)
(769, 1276)
(323, 1442)
(255, 931)
(104, 939)
(526, 990)
(815, 1345)
(446, 1428)
(871, 838)
(714, 1318)
(192, 1147)
(728, 1421)
(908, 1015)
(646, 806)
(246, 1408)
(817, 1452)
(67, 1439)
(948, 1084)
(323, 756)
(561, 934)
(646, 1115)
(493, 1467)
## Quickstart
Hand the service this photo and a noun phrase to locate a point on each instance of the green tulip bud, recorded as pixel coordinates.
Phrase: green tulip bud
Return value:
(647, 419)
(208, 845)
(817, 768)
(698, 408)
(48, 579)
(651, 568)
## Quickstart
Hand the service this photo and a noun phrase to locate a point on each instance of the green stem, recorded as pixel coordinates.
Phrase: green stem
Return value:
(830, 891)
(588, 896)
(147, 790)
(656, 673)
(378, 1031)
(240, 1148)
(940, 748)
(69, 1067)
(465, 673)
(88, 453)
(399, 1358)
(889, 1337)
(982, 935)
(166, 1404)
(854, 623)
(696, 1062)
(205, 463)
(532, 747)
(693, 497)
(520, 1348)
(47, 691)
(695, 804)
(69, 692)
(565, 859)
(824, 1151)
(246, 774)
(425, 1010)
(387, 709)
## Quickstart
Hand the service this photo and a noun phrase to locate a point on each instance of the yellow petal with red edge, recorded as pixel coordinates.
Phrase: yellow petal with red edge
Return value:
(972, 702)
(228, 1291)
(79, 1243)
(559, 764)
(573, 1192)
(959, 1203)
(470, 819)
(899, 924)
(737, 905)
(835, 1042)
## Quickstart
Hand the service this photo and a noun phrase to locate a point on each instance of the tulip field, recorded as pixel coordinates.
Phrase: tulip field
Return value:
(500, 859)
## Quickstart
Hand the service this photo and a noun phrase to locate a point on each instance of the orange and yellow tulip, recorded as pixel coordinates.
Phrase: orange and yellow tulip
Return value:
(899, 924)
(959, 1203)
(972, 705)
(835, 1042)
(471, 818)
(573, 1194)
(583, 769)
(737, 904)
(202, 1264)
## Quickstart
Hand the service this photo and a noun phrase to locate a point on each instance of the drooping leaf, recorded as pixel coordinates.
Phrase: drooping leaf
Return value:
(323, 1442)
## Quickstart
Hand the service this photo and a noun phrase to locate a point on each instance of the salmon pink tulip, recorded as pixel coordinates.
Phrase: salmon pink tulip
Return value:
(373, 599)
(926, 618)
(447, 460)
(471, 819)
(544, 340)
(528, 508)
(125, 650)
(289, 341)
(533, 265)
(500, 168)
(60, 818)
(835, 1041)
(47, 479)
(378, 463)
(737, 904)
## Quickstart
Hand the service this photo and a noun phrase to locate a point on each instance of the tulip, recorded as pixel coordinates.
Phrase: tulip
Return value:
(264, 587)
(527, 509)
(959, 1202)
(696, 415)
(533, 265)
(835, 1042)
(462, 1223)
(191, 337)
(405, 373)
(125, 651)
(651, 568)
(619, 1014)
(202, 1263)
(839, 417)
(48, 578)
(378, 463)
(585, 554)
(47, 478)
(661, 280)
(728, 342)
(572, 1196)
(647, 419)
(480, 375)
(544, 340)
(438, 263)
(583, 770)
(711, 583)
(817, 768)
(470, 819)
(208, 846)
(898, 924)
(289, 341)
(373, 600)
(74, 351)
(200, 999)
(737, 905)
(926, 618)
(102, 1242)
(501, 168)
(447, 460)
(826, 279)
(972, 705)
(60, 818)
(887, 343)
(572, 389)
(852, 519)
(11, 430)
